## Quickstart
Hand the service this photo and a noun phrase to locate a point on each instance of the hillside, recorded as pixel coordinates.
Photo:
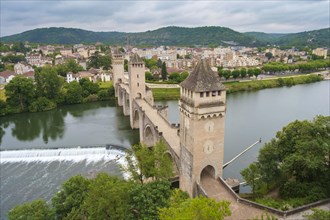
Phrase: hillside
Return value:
(316, 38)
(163, 36)
(174, 36)
(265, 37)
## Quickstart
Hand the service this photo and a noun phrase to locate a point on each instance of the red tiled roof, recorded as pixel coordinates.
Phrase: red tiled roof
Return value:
(7, 73)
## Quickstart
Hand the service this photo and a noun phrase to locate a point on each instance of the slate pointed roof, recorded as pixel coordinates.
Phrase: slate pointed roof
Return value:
(203, 79)
(136, 59)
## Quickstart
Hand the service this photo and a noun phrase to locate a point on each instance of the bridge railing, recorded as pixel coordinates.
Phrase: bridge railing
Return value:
(200, 191)
(270, 209)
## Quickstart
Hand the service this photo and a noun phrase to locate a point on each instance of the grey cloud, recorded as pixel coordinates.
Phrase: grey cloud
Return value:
(135, 16)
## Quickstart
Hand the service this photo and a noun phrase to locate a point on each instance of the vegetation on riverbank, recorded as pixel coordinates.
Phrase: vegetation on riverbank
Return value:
(146, 195)
(48, 91)
(293, 168)
(232, 87)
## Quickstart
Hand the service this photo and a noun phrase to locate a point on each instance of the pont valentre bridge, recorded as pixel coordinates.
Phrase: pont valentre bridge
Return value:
(196, 146)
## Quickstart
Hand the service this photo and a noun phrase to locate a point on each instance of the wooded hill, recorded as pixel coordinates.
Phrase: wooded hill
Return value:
(173, 36)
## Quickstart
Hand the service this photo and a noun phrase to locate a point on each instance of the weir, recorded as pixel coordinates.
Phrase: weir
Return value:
(62, 154)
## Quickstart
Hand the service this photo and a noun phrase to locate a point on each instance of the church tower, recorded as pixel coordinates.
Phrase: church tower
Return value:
(117, 69)
(202, 109)
(137, 85)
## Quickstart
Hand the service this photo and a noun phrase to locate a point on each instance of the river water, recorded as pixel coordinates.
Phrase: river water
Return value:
(39, 151)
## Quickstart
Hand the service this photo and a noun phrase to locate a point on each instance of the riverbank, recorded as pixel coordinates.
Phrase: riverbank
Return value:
(253, 85)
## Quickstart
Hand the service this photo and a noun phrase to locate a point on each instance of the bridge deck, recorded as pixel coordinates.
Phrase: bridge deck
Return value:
(169, 133)
(217, 191)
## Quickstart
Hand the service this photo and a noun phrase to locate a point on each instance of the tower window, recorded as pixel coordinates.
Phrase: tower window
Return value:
(138, 84)
(201, 94)
(137, 75)
(214, 93)
(207, 94)
(219, 92)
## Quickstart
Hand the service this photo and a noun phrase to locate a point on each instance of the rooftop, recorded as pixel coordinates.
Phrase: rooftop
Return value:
(136, 59)
(203, 79)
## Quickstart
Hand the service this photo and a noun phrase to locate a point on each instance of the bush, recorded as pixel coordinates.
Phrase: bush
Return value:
(91, 98)
(103, 95)
(41, 104)
(319, 214)
(3, 108)
(37, 209)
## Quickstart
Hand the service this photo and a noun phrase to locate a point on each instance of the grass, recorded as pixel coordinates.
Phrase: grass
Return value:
(2, 95)
(232, 87)
(166, 94)
(105, 85)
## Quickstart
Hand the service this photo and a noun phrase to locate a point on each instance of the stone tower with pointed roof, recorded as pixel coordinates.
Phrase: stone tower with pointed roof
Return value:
(137, 85)
(117, 69)
(202, 110)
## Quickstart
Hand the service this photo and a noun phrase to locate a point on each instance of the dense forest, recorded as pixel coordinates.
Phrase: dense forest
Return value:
(173, 36)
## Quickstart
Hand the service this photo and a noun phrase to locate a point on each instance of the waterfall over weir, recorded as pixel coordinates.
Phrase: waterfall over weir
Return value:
(63, 154)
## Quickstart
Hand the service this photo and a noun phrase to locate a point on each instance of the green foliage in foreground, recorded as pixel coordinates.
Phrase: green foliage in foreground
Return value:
(108, 197)
(296, 162)
(319, 214)
(200, 208)
(36, 210)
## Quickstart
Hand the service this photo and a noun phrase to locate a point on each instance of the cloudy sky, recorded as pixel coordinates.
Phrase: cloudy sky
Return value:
(271, 16)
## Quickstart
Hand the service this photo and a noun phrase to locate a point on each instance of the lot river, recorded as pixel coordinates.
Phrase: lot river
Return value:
(39, 151)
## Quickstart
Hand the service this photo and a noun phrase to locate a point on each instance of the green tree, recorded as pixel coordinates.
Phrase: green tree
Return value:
(269, 55)
(41, 104)
(72, 66)
(71, 196)
(143, 162)
(297, 160)
(200, 208)
(126, 65)
(149, 76)
(227, 74)
(146, 199)
(257, 72)
(236, 73)
(20, 92)
(74, 92)
(243, 72)
(107, 198)
(3, 108)
(97, 61)
(252, 176)
(174, 77)
(48, 83)
(88, 87)
(183, 76)
(36, 210)
(164, 71)
(159, 63)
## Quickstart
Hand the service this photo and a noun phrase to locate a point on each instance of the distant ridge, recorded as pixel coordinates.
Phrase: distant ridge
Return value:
(172, 36)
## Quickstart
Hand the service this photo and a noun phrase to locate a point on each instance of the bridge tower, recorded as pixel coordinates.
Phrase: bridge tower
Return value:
(137, 85)
(117, 69)
(202, 110)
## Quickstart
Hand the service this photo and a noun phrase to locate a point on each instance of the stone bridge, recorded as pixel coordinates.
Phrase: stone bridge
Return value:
(197, 144)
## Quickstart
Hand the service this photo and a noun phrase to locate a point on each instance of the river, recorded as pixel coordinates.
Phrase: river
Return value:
(28, 171)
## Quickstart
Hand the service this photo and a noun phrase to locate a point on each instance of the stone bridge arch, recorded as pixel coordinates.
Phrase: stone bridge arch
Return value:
(207, 172)
(174, 163)
(149, 136)
(136, 119)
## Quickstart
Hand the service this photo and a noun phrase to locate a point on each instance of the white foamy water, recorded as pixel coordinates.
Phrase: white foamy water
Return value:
(65, 154)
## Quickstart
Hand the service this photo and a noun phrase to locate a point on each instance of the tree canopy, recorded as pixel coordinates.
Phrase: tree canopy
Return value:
(296, 161)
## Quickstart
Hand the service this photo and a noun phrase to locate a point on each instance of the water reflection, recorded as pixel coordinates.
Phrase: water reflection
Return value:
(27, 126)
(74, 125)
